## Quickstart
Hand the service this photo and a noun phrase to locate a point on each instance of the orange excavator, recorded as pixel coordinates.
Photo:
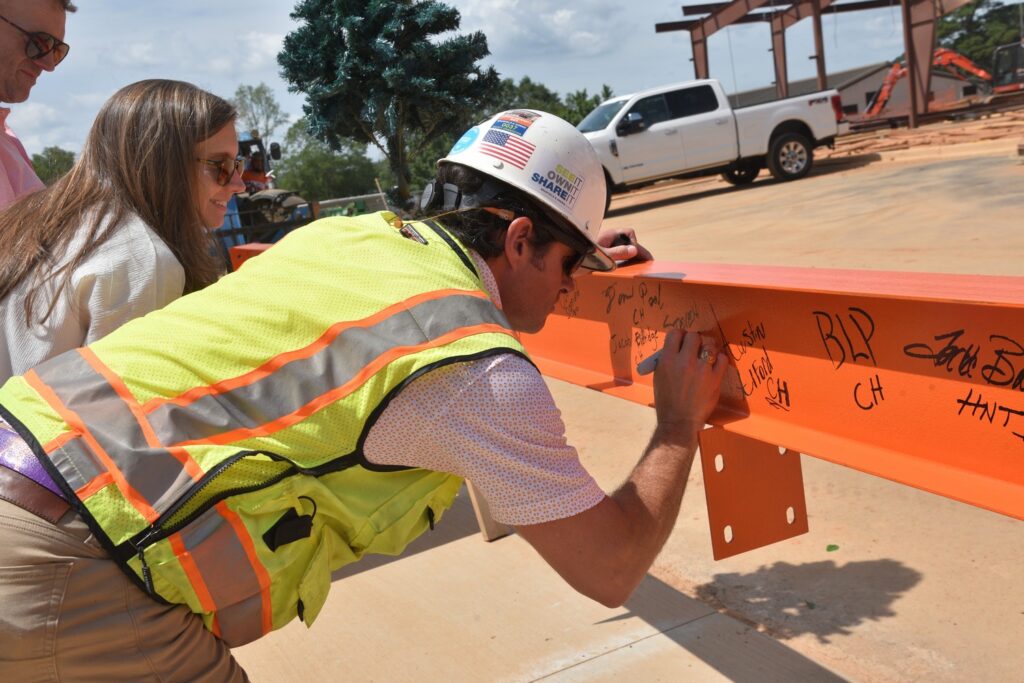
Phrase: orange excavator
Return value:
(943, 58)
(1007, 73)
(1008, 68)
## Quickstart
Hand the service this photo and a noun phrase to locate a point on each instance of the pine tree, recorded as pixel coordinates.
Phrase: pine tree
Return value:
(375, 71)
(978, 28)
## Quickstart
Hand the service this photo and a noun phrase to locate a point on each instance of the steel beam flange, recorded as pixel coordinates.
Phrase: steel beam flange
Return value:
(754, 491)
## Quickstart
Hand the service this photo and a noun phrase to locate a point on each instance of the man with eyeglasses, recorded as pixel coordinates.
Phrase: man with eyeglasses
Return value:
(31, 41)
(219, 458)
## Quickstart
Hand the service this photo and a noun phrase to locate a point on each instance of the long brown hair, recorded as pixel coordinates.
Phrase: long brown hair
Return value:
(139, 158)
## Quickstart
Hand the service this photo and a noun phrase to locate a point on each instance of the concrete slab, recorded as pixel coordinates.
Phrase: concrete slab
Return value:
(456, 608)
(714, 648)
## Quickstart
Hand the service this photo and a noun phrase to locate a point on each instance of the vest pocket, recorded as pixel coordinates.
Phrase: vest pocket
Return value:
(316, 582)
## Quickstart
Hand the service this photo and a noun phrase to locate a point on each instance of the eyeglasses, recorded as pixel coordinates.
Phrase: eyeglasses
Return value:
(572, 261)
(41, 44)
(226, 168)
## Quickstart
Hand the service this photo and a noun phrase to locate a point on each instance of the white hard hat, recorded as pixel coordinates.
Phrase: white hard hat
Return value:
(550, 161)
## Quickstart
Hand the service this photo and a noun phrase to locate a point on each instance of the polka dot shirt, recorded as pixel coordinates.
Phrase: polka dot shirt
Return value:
(494, 422)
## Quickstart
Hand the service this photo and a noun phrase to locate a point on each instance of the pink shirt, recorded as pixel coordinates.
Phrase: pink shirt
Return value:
(17, 178)
(494, 422)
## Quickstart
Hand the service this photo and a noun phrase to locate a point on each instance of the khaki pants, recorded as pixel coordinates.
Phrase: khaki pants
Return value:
(68, 613)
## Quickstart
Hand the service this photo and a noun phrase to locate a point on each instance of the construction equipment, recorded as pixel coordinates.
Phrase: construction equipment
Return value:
(1007, 74)
(263, 213)
(262, 202)
(1008, 68)
(943, 58)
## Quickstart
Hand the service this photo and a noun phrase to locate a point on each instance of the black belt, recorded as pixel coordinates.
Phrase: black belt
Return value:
(18, 489)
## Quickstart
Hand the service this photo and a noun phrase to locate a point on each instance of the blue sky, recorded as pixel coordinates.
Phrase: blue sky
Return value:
(570, 46)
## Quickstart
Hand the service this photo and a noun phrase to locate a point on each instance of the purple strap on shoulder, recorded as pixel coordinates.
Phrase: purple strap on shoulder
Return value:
(15, 454)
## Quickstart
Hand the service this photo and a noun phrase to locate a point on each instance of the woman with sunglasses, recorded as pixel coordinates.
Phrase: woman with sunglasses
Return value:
(126, 230)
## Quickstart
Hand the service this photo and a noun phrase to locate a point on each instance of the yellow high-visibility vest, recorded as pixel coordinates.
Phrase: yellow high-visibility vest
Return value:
(215, 446)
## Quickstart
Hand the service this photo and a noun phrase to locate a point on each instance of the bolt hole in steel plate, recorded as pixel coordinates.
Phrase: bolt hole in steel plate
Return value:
(756, 497)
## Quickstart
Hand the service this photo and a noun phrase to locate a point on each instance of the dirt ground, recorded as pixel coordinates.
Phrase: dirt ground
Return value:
(949, 199)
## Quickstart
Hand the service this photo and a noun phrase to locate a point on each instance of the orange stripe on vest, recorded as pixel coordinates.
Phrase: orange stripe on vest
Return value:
(195, 577)
(322, 342)
(250, 551)
(72, 418)
(340, 392)
(117, 384)
(98, 482)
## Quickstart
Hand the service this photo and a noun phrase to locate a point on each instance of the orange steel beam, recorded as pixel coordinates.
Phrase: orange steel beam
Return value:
(739, 11)
(919, 20)
(918, 378)
(701, 29)
(243, 252)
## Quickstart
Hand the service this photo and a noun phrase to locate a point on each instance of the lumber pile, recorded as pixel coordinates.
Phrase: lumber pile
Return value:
(997, 126)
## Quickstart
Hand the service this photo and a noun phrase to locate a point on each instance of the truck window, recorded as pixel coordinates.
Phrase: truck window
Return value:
(691, 101)
(654, 109)
(600, 117)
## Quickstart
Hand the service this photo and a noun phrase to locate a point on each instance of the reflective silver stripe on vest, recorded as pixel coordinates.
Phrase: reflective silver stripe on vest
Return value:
(230, 578)
(77, 463)
(111, 422)
(240, 624)
(292, 386)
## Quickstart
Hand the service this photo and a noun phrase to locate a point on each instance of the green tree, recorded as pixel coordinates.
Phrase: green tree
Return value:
(526, 94)
(311, 168)
(523, 95)
(258, 109)
(578, 104)
(371, 72)
(978, 28)
(52, 163)
(506, 94)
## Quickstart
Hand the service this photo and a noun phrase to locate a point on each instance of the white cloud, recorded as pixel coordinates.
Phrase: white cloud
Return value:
(250, 53)
(533, 28)
(35, 114)
(40, 125)
(136, 55)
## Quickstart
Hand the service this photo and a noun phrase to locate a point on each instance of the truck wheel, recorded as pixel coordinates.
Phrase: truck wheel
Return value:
(741, 174)
(790, 156)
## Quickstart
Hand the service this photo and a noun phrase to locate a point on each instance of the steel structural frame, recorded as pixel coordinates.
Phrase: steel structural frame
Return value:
(917, 378)
(919, 17)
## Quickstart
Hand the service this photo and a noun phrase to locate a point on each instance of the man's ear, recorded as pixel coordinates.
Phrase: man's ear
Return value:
(518, 244)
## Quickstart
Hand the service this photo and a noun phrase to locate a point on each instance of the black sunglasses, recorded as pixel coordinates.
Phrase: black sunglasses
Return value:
(41, 44)
(226, 168)
(575, 258)
(544, 226)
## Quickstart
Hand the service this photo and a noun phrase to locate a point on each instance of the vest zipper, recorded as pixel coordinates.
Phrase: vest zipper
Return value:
(147, 576)
(157, 532)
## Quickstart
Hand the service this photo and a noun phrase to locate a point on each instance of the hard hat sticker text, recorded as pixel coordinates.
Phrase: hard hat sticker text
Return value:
(562, 183)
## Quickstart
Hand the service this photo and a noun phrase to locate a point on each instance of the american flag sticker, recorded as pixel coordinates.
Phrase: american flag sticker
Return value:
(507, 147)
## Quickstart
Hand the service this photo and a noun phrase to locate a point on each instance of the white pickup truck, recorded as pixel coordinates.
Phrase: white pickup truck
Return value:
(690, 129)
